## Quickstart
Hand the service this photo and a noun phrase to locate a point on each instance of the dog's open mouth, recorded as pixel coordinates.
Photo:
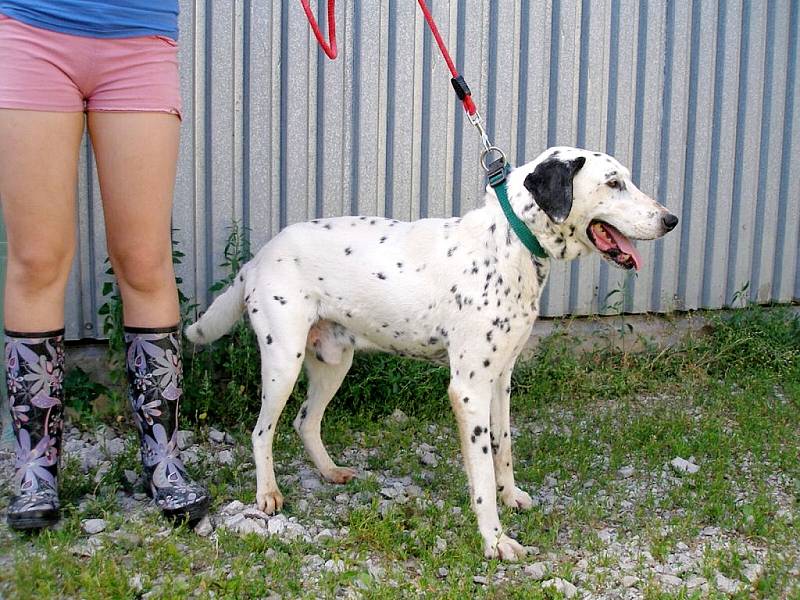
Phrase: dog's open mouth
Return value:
(614, 245)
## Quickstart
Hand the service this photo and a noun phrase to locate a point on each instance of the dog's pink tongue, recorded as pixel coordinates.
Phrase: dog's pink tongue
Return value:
(625, 245)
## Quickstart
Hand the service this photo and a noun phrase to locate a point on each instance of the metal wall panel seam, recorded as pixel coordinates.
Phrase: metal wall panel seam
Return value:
(782, 285)
(768, 196)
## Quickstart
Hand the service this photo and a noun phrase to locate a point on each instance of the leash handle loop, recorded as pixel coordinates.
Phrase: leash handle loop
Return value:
(328, 48)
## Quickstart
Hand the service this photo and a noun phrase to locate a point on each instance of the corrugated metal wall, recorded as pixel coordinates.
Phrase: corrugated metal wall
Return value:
(697, 97)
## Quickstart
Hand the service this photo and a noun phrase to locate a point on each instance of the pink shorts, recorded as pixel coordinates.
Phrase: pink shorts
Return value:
(46, 70)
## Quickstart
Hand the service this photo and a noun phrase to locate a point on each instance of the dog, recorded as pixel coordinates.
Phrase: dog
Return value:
(461, 291)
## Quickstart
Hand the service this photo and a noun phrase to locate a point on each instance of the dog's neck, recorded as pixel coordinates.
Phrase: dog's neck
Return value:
(558, 241)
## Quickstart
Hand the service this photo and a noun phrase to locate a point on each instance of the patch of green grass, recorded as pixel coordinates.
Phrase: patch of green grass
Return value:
(729, 398)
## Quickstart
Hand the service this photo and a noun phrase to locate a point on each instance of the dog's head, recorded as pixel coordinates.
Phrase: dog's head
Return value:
(577, 201)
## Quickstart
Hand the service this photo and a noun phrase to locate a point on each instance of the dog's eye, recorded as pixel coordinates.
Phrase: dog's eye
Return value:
(613, 184)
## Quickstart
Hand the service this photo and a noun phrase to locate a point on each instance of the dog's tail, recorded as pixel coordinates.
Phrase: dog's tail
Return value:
(221, 315)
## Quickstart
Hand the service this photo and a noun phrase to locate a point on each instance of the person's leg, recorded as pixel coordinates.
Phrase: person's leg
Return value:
(38, 175)
(136, 156)
(38, 178)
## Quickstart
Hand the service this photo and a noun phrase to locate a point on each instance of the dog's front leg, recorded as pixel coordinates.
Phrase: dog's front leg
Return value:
(471, 405)
(501, 444)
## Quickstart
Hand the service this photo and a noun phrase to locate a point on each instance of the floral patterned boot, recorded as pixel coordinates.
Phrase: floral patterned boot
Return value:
(35, 378)
(155, 382)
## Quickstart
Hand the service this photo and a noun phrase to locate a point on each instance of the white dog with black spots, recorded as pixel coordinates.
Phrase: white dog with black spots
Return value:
(463, 292)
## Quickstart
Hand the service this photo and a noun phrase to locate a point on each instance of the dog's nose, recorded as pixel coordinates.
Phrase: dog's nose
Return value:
(670, 221)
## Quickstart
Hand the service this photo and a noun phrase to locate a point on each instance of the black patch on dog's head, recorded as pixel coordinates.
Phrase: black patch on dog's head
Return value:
(550, 184)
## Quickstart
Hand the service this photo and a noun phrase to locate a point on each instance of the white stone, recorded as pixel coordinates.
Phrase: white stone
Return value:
(131, 476)
(189, 457)
(334, 566)
(429, 459)
(225, 457)
(629, 581)
(479, 579)
(560, 585)
(626, 472)
(185, 438)
(216, 436)
(276, 525)
(683, 466)
(753, 572)
(204, 527)
(93, 526)
(670, 580)
(398, 416)
(535, 571)
(696, 582)
(233, 507)
(311, 483)
(726, 585)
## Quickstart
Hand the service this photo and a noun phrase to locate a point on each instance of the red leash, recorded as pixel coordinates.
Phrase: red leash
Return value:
(328, 48)
(459, 85)
(462, 91)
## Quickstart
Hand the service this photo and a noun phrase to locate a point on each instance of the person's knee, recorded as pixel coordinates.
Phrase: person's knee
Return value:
(35, 267)
(144, 271)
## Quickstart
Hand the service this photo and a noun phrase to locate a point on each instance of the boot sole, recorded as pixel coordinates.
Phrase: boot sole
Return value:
(37, 519)
(191, 513)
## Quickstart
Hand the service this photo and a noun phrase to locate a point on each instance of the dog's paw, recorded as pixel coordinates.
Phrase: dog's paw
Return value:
(339, 475)
(504, 548)
(269, 502)
(516, 498)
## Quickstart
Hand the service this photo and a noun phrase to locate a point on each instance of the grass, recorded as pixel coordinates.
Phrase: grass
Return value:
(729, 398)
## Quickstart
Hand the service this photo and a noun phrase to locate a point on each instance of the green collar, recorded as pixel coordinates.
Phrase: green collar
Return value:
(497, 179)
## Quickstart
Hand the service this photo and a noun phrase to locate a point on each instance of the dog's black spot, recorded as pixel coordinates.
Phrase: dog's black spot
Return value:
(241, 278)
(327, 226)
(399, 265)
(383, 239)
(200, 332)
(486, 362)
(320, 278)
(596, 153)
(563, 252)
(485, 449)
(472, 439)
(254, 311)
(505, 435)
(556, 153)
(492, 228)
(451, 250)
(303, 413)
(471, 374)
(319, 357)
(280, 299)
(479, 500)
(380, 275)
(270, 425)
(348, 251)
(348, 314)
(362, 218)
(466, 399)
(433, 340)
(478, 430)
(260, 432)
(299, 354)
(485, 429)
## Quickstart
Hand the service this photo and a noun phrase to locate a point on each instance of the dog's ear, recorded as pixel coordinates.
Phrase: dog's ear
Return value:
(550, 184)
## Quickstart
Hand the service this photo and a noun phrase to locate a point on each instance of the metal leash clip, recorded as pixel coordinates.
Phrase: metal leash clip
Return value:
(488, 148)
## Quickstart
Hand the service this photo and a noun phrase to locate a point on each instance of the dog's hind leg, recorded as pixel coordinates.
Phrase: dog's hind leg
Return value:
(501, 444)
(281, 325)
(323, 381)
